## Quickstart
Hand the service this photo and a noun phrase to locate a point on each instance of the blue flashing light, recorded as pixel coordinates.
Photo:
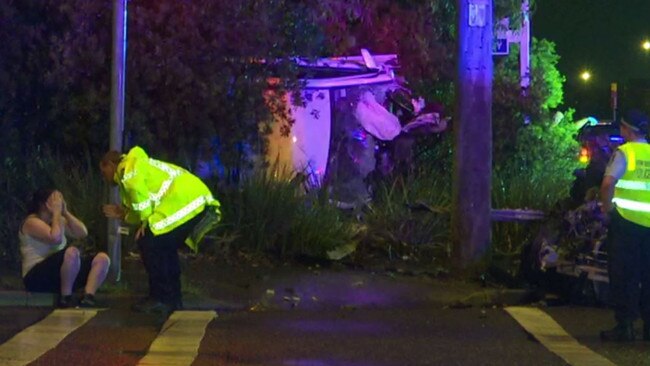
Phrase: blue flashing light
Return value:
(615, 138)
(359, 135)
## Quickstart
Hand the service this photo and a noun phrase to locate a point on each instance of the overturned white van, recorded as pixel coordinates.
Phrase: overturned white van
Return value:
(345, 122)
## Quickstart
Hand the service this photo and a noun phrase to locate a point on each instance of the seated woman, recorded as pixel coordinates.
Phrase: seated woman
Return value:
(48, 263)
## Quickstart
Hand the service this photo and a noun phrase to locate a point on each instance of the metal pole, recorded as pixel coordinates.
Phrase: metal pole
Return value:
(524, 47)
(117, 126)
(613, 90)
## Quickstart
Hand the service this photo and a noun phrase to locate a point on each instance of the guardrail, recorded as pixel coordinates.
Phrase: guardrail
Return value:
(517, 215)
(496, 214)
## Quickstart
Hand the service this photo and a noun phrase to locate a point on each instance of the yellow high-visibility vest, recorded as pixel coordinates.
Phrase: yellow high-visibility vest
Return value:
(161, 195)
(632, 192)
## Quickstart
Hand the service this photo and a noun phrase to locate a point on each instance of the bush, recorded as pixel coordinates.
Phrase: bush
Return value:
(410, 215)
(537, 176)
(270, 213)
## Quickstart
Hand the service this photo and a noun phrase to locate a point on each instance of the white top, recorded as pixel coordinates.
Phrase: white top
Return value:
(34, 251)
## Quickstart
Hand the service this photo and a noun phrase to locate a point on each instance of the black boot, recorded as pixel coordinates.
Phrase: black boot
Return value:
(88, 301)
(622, 332)
(65, 302)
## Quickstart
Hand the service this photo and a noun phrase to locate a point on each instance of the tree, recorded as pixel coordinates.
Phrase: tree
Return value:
(421, 33)
(194, 70)
(511, 107)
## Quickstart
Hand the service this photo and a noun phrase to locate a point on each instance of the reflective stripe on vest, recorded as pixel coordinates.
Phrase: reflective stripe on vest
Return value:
(632, 191)
(164, 187)
(182, 213)
(632, 205)
(633, 185)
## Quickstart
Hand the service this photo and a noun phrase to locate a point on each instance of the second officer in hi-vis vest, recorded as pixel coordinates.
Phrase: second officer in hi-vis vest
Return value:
(625, 199)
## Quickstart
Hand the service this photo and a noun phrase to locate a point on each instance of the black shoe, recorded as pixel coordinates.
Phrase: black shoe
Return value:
(646, 331)
(65, 302)
(151, 306)
(620, 333)
(88, 301)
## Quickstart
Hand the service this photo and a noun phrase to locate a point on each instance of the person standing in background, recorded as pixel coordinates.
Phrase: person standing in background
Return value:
(625, 201)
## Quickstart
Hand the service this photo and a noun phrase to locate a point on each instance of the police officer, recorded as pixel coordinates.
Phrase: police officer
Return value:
(170, 206)
(625, 199)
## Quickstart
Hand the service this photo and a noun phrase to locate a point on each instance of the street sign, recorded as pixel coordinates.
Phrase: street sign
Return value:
(500, 46)
(501, 41)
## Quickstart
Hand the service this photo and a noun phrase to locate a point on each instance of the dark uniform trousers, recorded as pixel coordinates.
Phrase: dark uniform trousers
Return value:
(160, 258)
(628, 245)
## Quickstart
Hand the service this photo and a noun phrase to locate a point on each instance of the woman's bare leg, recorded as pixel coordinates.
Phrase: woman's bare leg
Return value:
(69, 270)
(98, 272)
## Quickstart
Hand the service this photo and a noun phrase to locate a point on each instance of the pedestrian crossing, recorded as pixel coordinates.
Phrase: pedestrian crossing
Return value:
(549, 333)
(179, 339)
(177, 342)
(33, 342)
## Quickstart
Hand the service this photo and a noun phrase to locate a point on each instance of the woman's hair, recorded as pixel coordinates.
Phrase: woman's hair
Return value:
(39, 199)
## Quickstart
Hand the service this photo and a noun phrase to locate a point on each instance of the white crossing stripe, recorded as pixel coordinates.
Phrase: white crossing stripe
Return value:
(41, 337)
(549, 333)
(178, 341)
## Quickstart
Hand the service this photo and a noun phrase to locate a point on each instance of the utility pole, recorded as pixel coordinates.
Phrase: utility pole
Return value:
(117, 126)
(471, 196)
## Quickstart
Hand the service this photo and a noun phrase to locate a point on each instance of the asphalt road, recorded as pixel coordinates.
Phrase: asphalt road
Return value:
(350, 337)
(346, 337)
(378, 337)
(319, 318)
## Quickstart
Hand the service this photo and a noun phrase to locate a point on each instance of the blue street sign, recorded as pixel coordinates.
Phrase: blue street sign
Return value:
(500, 46)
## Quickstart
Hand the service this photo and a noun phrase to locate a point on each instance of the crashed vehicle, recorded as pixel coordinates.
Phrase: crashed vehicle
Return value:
(598, 141)
(357, 120)
(571, 241)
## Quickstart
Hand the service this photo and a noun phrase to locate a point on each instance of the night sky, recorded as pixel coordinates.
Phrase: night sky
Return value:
(603, 36)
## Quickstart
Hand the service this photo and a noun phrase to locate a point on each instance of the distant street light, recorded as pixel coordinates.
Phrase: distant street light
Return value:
(585, 76)
(646, 45)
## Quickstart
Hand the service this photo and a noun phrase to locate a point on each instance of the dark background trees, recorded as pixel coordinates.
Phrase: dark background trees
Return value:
(196, 76)
(195, 69)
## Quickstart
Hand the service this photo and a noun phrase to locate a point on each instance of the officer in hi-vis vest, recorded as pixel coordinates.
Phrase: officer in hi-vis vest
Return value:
(625, 199)
(169, 205)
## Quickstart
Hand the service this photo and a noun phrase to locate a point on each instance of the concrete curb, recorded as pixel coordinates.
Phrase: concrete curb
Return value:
(19, 298)
(27, 299)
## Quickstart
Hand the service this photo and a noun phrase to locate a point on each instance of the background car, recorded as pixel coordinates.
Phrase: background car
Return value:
(598, 141)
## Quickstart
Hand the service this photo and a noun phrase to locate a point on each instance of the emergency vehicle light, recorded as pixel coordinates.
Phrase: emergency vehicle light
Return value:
(584, 155)
(615, 138)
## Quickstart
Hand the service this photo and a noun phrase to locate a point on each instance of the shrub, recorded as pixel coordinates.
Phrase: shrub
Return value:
(270, 213)
(411, 214)
(537, 176)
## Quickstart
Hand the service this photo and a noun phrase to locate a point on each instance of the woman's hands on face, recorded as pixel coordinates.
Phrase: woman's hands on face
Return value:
(55, 202)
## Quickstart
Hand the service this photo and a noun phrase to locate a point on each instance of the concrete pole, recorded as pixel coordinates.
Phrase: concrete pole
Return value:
(471, 196)
(117, 126)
